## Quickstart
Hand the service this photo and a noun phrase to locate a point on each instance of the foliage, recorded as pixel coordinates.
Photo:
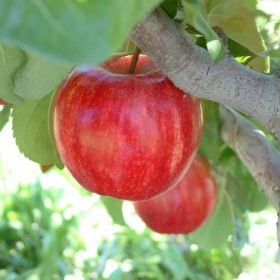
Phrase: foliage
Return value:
(170, 7)
(238, 191)
(114, 209)
(39, 238)
(32, 131)
(141, 257)
(10, 60)
(68, 30)
(4, 116)
(33, 234)
(195, 16)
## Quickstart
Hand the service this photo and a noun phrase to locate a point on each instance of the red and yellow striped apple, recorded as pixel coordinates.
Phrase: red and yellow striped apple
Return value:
(130, 136)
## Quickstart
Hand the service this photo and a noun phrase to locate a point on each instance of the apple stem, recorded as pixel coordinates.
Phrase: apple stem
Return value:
(134, 60)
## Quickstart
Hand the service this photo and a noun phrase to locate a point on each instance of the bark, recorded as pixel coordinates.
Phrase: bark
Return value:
(229, 83)
(191, 69)
(256, 152)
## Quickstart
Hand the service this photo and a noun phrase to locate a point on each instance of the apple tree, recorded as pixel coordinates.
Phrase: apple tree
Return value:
(221, 51)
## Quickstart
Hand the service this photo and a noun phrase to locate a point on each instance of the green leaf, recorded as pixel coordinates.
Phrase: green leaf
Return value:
(237, 18)
(241, 53)
(216, 50)
(274, 52)
(241, 185)
(246, 193)
(38, 77)
(275, 64)
(32, 133)
(215, 232)
(114, 209)
(4, 115)
(174, 260)
(211, 143)
(196, 16)
(170, 7)
(10, 60)
(210, 4)
(240, 235)
(238, 50)
(75, 32)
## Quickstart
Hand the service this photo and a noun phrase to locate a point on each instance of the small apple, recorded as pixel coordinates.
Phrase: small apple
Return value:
(185, 207)
(129, 136)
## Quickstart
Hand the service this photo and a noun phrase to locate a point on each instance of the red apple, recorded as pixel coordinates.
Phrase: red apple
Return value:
(2, 102)
(184, 208)
(129, 136)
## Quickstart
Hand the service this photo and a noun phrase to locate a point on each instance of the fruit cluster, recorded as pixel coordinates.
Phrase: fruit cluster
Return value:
(134, 137)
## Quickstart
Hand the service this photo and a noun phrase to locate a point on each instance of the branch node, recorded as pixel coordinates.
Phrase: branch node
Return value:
(220, 32)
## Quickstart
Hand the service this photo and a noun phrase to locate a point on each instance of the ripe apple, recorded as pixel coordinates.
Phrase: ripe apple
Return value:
(2, 102)
(185, 207)
(129, 136)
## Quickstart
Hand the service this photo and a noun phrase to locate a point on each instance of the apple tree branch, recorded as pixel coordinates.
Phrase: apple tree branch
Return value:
(228, 83)
(256, 152)
(191, 69)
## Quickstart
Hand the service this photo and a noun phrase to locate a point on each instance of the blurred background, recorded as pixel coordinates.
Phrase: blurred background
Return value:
(50, 228)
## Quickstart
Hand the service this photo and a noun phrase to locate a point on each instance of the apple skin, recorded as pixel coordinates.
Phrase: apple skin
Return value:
(2, 102)
(126, 136)
(184, 208)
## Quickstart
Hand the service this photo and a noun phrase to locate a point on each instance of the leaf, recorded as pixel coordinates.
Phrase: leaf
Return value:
(246, 193)
(170, 7)
(38, 77)
(272, 52)
(216, 50)
(32, 133)
(196, 16)
(174, 260)
(275, 64)
(211, 143)
(114, 209)
(117, 274)
(4, 116)
(240, 235)
(237, 19)
(239, 52)
(210, 4)
(241, 185)
(215, 232)
(75, 32)
(10, 60)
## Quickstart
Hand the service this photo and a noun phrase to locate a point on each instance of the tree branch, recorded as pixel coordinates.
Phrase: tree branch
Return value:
(256, 152)
(191, 69)
(228, 83)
